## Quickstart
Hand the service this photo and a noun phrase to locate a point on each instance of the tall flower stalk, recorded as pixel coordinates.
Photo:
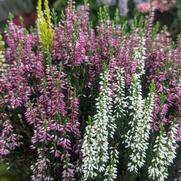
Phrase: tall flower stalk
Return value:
(120, 101)
(140, 111)
(137, 138)
(97, 135)
(164, 153)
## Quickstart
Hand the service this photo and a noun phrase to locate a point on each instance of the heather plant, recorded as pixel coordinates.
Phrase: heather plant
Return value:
(79, 102)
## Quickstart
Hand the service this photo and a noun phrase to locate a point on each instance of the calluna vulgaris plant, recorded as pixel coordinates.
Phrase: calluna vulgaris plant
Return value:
(93, 104)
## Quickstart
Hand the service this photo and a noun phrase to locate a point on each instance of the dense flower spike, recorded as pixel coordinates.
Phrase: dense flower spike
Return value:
(40, 168)
(137, 137)
(103, 127)
(139, 53)
(120, 101)
(8, 139)
(165, 152)
(111, 170)
(88, 153)
(14, 38)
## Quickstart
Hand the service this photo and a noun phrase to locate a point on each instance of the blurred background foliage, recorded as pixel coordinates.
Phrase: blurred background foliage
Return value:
(175, 13)
(170, 18)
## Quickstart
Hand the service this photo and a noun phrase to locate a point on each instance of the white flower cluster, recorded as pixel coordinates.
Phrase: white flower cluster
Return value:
(111, 170)
(137, 137)
(139, 55)
(120, 101)
(164, 154)
(99, 157)
(95, 148)
(89, 162)
(171, 143)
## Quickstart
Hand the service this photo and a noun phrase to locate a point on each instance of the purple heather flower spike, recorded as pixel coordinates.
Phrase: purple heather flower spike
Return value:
(8, 139)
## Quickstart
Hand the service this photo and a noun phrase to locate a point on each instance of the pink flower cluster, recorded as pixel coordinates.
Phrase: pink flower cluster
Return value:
(8, 139)
(46, 101)
(163, 66)
(161, 5)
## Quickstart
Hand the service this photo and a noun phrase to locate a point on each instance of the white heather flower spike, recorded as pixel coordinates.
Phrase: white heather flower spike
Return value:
(89, 164)
(165, 152)
(120, 101)
(111, 170)
(171, 143)
(139, 54)
(95, 149)
(137, 137)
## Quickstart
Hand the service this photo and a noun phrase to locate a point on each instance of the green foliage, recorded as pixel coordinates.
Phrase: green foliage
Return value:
(176, 14)
(45, 28)
(1, 43)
